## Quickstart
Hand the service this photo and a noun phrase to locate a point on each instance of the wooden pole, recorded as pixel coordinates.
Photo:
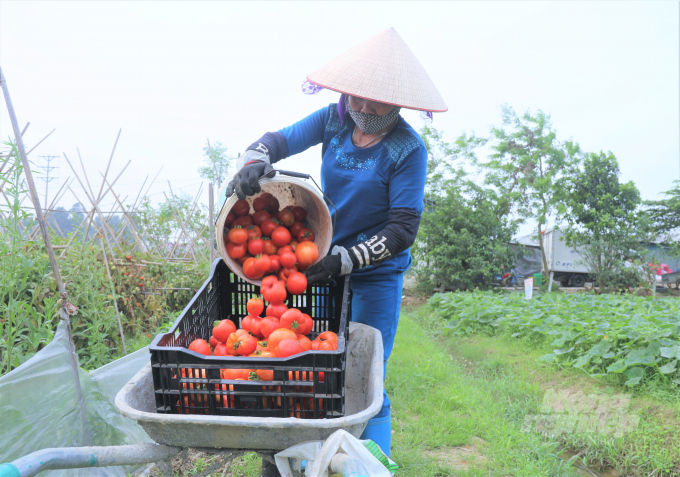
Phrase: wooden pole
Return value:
(113, 294)
(64, 312)
(212, 224)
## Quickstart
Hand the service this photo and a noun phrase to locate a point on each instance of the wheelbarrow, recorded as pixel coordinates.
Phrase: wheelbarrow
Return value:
(223, 435)
(672, 280)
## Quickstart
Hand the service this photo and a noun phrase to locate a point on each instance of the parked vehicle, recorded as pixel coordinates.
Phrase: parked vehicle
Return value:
(566, 263)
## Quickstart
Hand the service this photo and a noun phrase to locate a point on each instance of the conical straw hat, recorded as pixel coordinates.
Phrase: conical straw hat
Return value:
(383, 69)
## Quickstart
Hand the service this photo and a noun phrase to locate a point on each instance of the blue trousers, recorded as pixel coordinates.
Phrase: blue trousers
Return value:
(376, 301)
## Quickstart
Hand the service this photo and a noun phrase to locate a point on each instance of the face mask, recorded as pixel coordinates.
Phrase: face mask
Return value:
(372, 123)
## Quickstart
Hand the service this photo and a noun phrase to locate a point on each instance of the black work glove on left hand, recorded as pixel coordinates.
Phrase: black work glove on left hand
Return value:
(247, 181)
(325, 270)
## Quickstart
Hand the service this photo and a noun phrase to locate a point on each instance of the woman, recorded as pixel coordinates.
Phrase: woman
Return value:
(373, 169)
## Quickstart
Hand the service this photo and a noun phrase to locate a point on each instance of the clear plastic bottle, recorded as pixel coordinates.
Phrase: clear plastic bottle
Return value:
(348, 466)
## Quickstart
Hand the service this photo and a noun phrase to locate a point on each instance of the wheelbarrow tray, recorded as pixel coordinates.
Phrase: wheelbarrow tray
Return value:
(363, 391)
(670, 277)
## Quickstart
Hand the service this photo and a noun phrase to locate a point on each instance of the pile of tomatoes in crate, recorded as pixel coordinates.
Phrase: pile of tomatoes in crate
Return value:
(269, 241)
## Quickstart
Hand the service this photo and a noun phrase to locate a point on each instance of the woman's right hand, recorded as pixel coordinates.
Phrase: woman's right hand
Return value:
(246, 181)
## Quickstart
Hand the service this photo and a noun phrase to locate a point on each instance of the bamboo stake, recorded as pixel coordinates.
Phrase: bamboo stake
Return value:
(115, 297)
(181, 224)
(210, 221)
(131, 226)
(64, 312)
(40, 142)
(191, 214)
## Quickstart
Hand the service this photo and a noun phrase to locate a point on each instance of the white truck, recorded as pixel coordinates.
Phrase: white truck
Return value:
(566, 263)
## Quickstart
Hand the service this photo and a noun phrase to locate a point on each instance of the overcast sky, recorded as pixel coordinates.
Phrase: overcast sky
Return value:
(172, 74)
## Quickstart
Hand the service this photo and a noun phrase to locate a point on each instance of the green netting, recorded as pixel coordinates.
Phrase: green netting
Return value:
(39, 408)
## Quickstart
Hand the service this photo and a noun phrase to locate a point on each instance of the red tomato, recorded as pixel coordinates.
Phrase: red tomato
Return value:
(273, 205)
(294, 245)
(286, 217)
(250, 270)
(328, 346)
(280, 236)
(220, 350)
(277, 336)
(261, 345)
(268, 226)
(284, 249)
(305, 342)
(307, 253)
(255, 323)
(288, 259)
(266, 285)
(276, 263)
(213, 341)
(305, 235)
(245, 323)
(299, 213)
(263, 263)
(241, 208)
(254, 232)
(277, 293)
(259, 203)
(231, 216)
(296, 228)
(236, 251)
(316, 344)
(309, 324)
(260, 217)
(238, 235)
(285, 273)
(244, 221)
(200, 346)
(276, 310)
(255, 306)
(292, 319)
(327, 336)
(269, 247)
(296, 283)
(256, 246)
(268, 325)
(244, 344)
(243, 259)
(234, 374)
(223, 329)
(288, 347)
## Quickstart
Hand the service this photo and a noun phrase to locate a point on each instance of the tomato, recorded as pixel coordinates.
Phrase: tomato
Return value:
(269, 247)
(243, 259)
(294, 245)
(200, 346)
(250, 270)
(273, 205)
(305, 342)
(296, 283)
(328, 346)
(285, 273)
(268, 325)
(309, 324)
(233, 374)
(277, 293)
(243, 345)
(220, 350)
(231, 216)
(307, 253)
(292, 319)
(299, 213)
(241, 207)
(277, 336)
(295, 228)
(284, 249)
(261, 345)
(266, 285)
(286, 217)
(236, 251)
(222, 329)
(268, 226)
(276, 310)
(260, 217)
(276, 263)
(327, 336)
(288, 259)
(263, 263)
(280, 236)
(238, 235)
(259, 203)
(288, 347)
(305, 235)
(255, 322)
(244, 221)
(316, 344)
(245, 323)
(254, 232)
(213, 341)
(255, 306)
(256, 246)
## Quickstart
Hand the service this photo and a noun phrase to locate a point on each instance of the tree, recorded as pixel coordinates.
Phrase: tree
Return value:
(217, 164)
(665, 214)
(527, 166)
(604, 223)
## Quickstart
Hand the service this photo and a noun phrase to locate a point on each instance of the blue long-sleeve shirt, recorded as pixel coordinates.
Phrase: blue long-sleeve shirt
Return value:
(364, 183)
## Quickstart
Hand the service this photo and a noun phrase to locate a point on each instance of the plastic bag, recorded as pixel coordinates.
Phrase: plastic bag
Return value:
(319, 454)
(39, 408)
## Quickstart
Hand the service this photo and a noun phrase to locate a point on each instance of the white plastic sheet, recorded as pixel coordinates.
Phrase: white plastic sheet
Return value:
(39, 408)
(319, 454)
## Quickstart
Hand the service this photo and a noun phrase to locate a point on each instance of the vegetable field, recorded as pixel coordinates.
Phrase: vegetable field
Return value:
(631, 339)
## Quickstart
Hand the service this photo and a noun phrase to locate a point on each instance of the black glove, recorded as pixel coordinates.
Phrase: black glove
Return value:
(325, 270)
(247, 180)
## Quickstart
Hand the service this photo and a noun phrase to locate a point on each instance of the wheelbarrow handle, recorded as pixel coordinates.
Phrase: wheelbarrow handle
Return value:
(299, 175)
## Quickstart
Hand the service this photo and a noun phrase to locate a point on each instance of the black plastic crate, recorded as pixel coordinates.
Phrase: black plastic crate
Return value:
(309, 385)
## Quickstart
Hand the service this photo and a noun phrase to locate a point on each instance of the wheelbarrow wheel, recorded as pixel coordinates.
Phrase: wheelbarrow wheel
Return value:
(269, 469)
